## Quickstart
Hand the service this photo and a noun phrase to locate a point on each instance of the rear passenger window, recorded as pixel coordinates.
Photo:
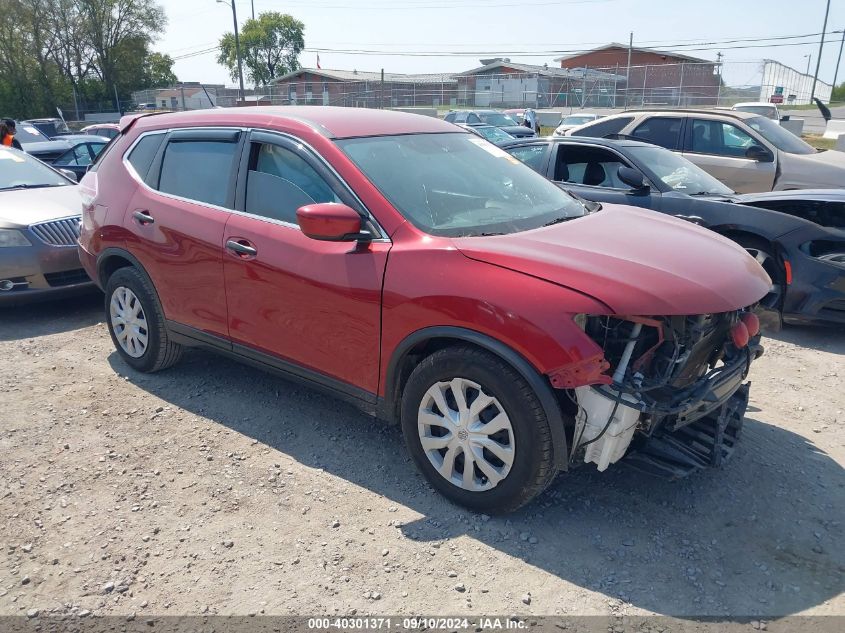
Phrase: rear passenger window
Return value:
(279, 182)
(141, 157)
(663, 131)
(604, 128)
(198, 170)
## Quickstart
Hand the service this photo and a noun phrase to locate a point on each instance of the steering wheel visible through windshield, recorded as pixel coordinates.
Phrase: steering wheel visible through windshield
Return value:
(459, 185)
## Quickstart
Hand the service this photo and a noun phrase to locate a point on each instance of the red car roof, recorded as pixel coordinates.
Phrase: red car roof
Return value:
(333, 122)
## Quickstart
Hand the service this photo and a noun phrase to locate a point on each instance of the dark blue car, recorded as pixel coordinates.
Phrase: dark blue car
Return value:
(797, 236)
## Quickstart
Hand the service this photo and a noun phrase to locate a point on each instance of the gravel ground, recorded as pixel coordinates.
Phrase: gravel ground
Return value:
(215, 488)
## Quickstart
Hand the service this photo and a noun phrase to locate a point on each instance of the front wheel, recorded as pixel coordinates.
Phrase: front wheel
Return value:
(477, 430)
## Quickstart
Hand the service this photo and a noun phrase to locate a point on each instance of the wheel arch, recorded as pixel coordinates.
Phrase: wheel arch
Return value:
(113, 259)
(422, 343)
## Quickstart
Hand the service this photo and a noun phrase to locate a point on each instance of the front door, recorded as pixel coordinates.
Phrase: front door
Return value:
(311, 307)
(719, 148)
(592, 173)
(177, 218)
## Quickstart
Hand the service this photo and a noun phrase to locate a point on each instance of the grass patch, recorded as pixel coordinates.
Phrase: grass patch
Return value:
(819, 142)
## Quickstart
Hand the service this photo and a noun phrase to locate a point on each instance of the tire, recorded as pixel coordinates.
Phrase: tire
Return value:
(526, 442)
(133, 316)
(762, 251)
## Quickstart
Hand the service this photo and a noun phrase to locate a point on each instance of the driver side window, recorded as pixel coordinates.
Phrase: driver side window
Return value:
(591, 166)
(279, 182)
(720, 139)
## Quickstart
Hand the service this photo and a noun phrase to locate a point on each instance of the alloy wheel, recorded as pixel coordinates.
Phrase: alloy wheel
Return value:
(128, 322)
(466, 434)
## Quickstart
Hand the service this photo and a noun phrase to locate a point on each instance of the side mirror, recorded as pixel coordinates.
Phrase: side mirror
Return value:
(70, 174)
(632, 177)
(331, 222)
(758, 153)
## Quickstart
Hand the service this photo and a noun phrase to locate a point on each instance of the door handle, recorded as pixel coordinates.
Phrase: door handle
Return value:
(241, 248)
(143, 217)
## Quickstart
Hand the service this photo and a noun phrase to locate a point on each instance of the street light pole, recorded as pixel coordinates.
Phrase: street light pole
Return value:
(809, 57)
(821, 47)
(237, 45)
(252, 4)
(839, 59)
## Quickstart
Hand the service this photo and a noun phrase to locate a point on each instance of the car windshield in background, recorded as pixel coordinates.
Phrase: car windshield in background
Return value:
(493, 134)
(781, 138)
(459, 185)
(577, 120)
(677, 172)
(765, 111)
(26, 133)
(497, 118)
(19, 171)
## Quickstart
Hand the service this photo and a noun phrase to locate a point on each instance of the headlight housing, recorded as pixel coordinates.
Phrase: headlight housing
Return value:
(13, 237)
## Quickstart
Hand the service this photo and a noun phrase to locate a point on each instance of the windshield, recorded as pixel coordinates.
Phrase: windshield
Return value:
(26, 133)
(577, 119)
(493, 134)
(459, 185)
(766, 111)
(17, 170)
(497, 118)
(783, 139)
(677, 172)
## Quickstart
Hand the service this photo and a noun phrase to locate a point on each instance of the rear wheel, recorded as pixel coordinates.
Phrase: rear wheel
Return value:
(476, 430)
(136, 322)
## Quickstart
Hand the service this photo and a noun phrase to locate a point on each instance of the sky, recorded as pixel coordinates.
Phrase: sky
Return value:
(514, 29)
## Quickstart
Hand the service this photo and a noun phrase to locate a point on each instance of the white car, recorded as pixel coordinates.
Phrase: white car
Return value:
(574, 120)
(768, 110)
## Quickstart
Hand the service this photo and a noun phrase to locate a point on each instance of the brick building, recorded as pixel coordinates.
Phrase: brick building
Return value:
(657, 78)
(314, 86)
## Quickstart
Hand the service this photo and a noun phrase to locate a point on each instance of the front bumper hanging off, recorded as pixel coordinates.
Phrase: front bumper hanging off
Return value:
(706, 443)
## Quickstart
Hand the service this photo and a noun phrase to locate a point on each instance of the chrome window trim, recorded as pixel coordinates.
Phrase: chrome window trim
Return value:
(140, 181)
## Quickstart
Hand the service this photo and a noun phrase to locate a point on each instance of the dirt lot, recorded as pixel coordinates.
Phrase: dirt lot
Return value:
(215, 488)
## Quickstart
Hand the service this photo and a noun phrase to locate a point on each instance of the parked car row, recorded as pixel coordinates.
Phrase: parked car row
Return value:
(797, 236)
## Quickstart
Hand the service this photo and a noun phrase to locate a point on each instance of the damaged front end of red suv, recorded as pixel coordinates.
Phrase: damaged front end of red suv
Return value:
(672, 396)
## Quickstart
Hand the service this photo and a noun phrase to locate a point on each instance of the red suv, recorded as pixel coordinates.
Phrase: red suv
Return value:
(421, 272)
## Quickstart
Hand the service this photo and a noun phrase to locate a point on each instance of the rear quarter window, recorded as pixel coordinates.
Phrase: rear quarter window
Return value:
(142, 155)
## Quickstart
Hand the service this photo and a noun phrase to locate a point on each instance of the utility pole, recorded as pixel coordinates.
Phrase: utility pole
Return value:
(838, 59)
(381, 90)
(719, 56)
(252, 4)
(821, 46)
(237, 45)
(628, 73)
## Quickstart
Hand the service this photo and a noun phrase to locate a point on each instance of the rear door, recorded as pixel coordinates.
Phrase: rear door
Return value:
(719, 148)
(176, 219)
(310, 307)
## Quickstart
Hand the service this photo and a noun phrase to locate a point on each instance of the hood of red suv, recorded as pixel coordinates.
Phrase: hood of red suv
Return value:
(636, 262)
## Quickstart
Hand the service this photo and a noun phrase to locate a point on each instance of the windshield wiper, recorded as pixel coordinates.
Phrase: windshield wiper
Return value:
(25, 186)
(563, 218)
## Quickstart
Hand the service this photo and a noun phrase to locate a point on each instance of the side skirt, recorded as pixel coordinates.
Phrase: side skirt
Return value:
(192, 337)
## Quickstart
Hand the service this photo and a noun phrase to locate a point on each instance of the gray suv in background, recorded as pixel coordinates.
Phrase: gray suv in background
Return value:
(748, 152)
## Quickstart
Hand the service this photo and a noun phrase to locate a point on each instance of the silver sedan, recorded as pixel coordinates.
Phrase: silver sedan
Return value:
(40, 210)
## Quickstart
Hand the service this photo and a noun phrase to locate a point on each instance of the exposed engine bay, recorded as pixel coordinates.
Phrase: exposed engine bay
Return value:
(675, 399)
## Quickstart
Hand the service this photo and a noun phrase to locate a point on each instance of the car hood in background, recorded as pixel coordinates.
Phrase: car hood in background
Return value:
(805, 171)
(636, 262)
(21, 207)
(46, 147)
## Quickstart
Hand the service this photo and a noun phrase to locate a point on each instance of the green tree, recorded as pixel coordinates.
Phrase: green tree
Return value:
(270, 47)
(158, 71)
(838, 94)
